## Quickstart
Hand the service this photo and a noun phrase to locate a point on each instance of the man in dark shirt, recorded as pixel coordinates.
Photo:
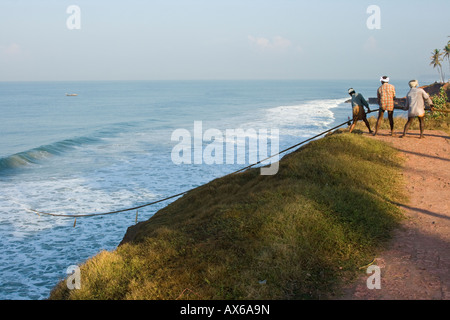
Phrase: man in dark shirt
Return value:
(358, 104)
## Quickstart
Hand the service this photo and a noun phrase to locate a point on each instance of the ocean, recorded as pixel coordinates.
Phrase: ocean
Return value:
(110, 147)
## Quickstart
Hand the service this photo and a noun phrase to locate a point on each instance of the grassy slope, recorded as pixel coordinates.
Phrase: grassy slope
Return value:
(399, 124)
(304, 231)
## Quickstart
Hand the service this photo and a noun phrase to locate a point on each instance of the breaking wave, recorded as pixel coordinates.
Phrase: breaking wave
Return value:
(35, 155)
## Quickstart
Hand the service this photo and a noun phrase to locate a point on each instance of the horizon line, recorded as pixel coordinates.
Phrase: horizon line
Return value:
(187, 80)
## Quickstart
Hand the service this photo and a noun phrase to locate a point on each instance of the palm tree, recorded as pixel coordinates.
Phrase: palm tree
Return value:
(436, 62)
(447, 54)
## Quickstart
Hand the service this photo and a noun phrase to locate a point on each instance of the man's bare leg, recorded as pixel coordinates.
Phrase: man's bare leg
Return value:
(379, 120)
(422, 126)
(353, 125)
(391, 121)
(367, 124)
(408, 123)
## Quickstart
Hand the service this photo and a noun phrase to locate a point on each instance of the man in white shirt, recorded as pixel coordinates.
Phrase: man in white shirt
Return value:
(415, 102)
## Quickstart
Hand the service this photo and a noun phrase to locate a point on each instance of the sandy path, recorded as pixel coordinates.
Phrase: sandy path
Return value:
(416, 265)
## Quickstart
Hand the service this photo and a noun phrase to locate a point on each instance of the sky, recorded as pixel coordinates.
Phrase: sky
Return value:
(217, 39)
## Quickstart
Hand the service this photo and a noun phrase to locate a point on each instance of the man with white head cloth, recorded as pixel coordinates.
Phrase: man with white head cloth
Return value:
(385, 96)
(416, 99)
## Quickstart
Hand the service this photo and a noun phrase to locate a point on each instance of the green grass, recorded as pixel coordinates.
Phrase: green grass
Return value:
(303, 232)
(442, 124)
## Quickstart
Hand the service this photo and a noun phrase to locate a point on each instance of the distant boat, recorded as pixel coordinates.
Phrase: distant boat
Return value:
(71, 94)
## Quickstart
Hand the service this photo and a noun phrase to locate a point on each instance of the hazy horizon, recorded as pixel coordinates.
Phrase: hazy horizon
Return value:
(227, 40)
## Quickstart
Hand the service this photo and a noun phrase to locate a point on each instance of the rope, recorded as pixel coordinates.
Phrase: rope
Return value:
(187, 289)
(367, 265)
(437, 110)
(183, 193)
(105, 213)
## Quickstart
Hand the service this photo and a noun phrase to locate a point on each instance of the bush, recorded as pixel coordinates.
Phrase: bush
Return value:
(440, 102)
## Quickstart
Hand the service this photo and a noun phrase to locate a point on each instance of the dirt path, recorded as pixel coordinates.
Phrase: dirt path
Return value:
(416, 265)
